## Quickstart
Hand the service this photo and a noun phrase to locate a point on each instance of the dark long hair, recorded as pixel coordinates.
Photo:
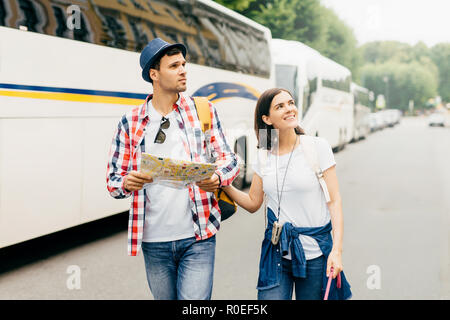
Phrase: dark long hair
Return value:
(263, 131)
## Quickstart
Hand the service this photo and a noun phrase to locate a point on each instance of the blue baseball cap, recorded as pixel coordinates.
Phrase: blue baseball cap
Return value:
(154, 50)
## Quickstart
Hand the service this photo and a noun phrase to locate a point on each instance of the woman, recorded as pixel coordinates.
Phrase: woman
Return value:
(296, 204)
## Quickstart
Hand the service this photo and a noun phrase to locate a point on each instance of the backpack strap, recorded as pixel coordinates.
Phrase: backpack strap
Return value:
(312, 158)
(204, 115)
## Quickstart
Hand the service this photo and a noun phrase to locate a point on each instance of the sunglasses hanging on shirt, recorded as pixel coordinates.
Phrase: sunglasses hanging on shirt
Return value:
(161, 136)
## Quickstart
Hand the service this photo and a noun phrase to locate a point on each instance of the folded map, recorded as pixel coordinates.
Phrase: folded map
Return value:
(180, 172)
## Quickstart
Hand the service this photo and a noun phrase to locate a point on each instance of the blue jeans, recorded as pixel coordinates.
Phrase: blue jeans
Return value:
(181, 269)
(309, 288)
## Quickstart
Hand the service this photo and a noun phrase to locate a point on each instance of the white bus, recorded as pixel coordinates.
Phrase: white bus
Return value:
(361, 111)
(63, 91)
(321, 88)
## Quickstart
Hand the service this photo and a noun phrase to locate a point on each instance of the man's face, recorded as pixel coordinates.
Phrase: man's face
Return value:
(171, 75)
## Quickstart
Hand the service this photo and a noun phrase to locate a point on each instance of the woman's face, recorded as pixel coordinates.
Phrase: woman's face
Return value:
(282, 113)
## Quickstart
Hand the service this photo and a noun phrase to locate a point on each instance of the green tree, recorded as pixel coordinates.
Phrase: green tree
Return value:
(419, 56)
(414, 72)
(300, 20)
(277, 15)
(341, 43)
(237, 5)
(383, 51)
(306, 21)
(419, 51)
(405, 81)
(440, 54)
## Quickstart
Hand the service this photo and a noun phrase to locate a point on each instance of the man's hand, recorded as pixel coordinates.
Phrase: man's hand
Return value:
(211, 184)
(135, 180)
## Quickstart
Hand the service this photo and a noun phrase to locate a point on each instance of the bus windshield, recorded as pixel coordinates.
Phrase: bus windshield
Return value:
(213, 38)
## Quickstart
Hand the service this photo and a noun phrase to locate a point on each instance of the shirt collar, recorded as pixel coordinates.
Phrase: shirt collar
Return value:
(180, 103)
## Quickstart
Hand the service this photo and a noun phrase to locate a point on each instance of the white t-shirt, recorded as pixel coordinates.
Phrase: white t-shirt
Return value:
(167, 214)
(303, 203)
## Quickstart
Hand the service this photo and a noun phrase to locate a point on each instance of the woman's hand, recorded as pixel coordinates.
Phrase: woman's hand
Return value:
(337, 221)
(335, 261)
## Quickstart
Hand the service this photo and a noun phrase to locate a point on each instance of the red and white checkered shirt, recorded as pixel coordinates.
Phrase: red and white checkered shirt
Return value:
(125, 155)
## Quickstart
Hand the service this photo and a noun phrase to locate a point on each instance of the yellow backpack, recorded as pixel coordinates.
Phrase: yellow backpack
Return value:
(227, 206)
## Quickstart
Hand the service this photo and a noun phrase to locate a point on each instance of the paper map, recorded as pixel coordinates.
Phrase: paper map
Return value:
(179, 172)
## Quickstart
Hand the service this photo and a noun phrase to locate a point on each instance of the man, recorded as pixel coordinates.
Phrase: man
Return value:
(175, 227)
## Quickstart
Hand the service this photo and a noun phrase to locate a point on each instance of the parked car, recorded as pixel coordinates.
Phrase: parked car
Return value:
(390, 117)
(376, 121)
(372, 122)
(436, 119)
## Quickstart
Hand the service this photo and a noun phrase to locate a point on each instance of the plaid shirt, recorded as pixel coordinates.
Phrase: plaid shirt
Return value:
(125, 155)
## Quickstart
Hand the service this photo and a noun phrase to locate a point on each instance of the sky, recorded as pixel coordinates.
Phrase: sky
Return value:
(407, 21)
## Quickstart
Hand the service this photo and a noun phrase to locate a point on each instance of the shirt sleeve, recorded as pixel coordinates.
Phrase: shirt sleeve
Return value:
(325, 154)
(119, 160)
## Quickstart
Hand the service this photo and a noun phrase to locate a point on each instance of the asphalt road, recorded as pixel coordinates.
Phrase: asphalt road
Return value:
(395, 187)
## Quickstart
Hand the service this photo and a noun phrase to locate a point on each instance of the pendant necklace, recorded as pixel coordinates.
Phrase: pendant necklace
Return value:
(277, 227)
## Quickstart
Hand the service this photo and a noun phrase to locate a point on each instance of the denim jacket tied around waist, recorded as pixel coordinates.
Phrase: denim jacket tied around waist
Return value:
(270, 262)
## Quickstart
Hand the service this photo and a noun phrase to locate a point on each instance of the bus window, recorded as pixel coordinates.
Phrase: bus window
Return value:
(44, 16)
(192, 48)
(30, 16)
(213, 51)
(170, 35)
(362, 98)
(220, 40)
(172, 15)
(342, 84)
(356, 98)
(286, 77)
(152, 29)
(152, 8)
(347, 83)
(312, 85)
(240, 47)
(2, 13)
(82, 33)
(116, 32)
(305, 98)
(61, 29)
(140, 37)
(137, 5)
